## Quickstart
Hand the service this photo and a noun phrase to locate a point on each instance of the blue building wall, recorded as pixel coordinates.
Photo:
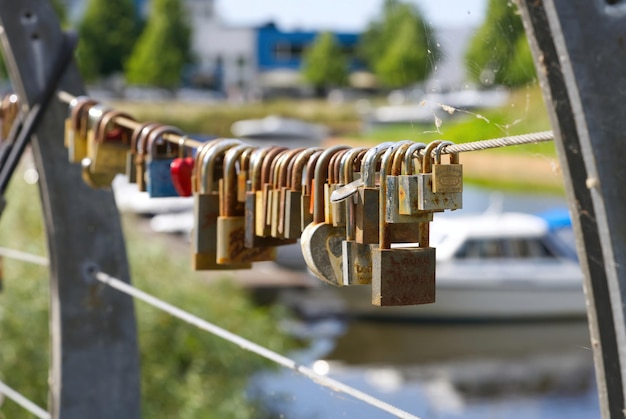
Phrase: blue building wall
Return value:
(284, 50)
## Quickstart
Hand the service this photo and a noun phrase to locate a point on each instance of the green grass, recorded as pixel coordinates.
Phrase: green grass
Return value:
(186, 372)
(524, 113)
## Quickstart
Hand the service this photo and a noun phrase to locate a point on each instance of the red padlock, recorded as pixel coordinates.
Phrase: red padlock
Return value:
(181, 169)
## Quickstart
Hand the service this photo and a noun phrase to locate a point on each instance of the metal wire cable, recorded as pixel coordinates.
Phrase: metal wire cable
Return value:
(250, 346)
(24, 257)
(508, 141)
(23, 401)
(243, 343)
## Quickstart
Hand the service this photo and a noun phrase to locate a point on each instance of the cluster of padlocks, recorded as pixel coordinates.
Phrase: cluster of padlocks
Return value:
(355, 210)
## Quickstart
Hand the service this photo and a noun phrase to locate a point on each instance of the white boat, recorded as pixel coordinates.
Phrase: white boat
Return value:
(276, 128)
(506, 266)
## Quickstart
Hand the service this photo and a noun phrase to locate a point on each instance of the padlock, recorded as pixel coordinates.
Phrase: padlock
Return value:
(243, 174)
(292, 217)
(367, 207)
(231, 222)
(254, 197)
(401, 276)
(181, 169)
(141, 156)
(321, 242)
(279, 190)
(161, 153)
(263, 199)
(416, 191)
(131, 165)
(333, 183)
(76, 136)
(91, 176)
(108, 151)
(392, 179)
(448, 178)
(207, 206)
(356, 257)
(306, 200)
(339, 209)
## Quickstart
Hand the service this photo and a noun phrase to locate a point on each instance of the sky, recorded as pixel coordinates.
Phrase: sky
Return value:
(342, 15)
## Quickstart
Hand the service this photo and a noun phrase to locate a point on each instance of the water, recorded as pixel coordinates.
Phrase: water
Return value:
(443, 370)
(519, 370)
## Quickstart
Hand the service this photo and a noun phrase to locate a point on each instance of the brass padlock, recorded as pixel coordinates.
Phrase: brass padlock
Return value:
(207, 206)
(401, 276)
(263, 204)
(306, 200)
(393, 196)
(321, 242)
(141, 156)
(231, 221)
(76, 136)
(279, 190)
(416, 192)
(448, 179)
(141, 131)
(292, 217)
(108, 151)
(243, 173)
(356, 257)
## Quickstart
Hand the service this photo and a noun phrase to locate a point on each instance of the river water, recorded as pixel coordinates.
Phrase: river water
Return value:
(442, 370)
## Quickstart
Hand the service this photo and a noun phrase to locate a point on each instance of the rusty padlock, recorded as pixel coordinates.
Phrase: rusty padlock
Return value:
(141, 131)
(321, 242)
(393, 196)
(356, 257)
(231, 221)
(448, 178)
(279, 190)
(401, 276)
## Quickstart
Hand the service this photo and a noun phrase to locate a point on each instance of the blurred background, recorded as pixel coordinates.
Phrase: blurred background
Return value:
(507, 337)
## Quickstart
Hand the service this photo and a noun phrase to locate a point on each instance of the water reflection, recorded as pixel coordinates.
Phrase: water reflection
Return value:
(519, 370)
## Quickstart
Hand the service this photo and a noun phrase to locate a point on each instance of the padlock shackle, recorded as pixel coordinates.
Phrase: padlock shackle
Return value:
(368, 167)
(138, 133)
(347, 164)
(427, 162)
(229, 187)
(384, 232)
(109, 119)
(209, 160)
(73, 108)
(197, 164)
(78, 111)
(333, 167)
(398, 156)
(156, 138)
(409, 158)
(321, 175)
(268, 161)
(256, 162)
(300, 162)
(454, 157)
(283, 167)
(275, 166)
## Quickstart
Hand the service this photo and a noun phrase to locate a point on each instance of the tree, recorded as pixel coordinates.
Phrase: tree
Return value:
(107, 34)
(163, 49)
(499, 52)
(400, 47)
(324, 63)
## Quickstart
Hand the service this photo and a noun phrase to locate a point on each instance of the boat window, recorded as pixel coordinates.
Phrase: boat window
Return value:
(519, 248)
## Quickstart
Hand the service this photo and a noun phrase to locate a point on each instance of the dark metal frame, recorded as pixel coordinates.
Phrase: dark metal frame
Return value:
(94, 371)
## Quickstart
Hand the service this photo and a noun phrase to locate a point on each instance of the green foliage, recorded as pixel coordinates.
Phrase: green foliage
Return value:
(163, 49)
(186, 372)
(400, 47)
(498, 53)
(107, 34)
(324, 64)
